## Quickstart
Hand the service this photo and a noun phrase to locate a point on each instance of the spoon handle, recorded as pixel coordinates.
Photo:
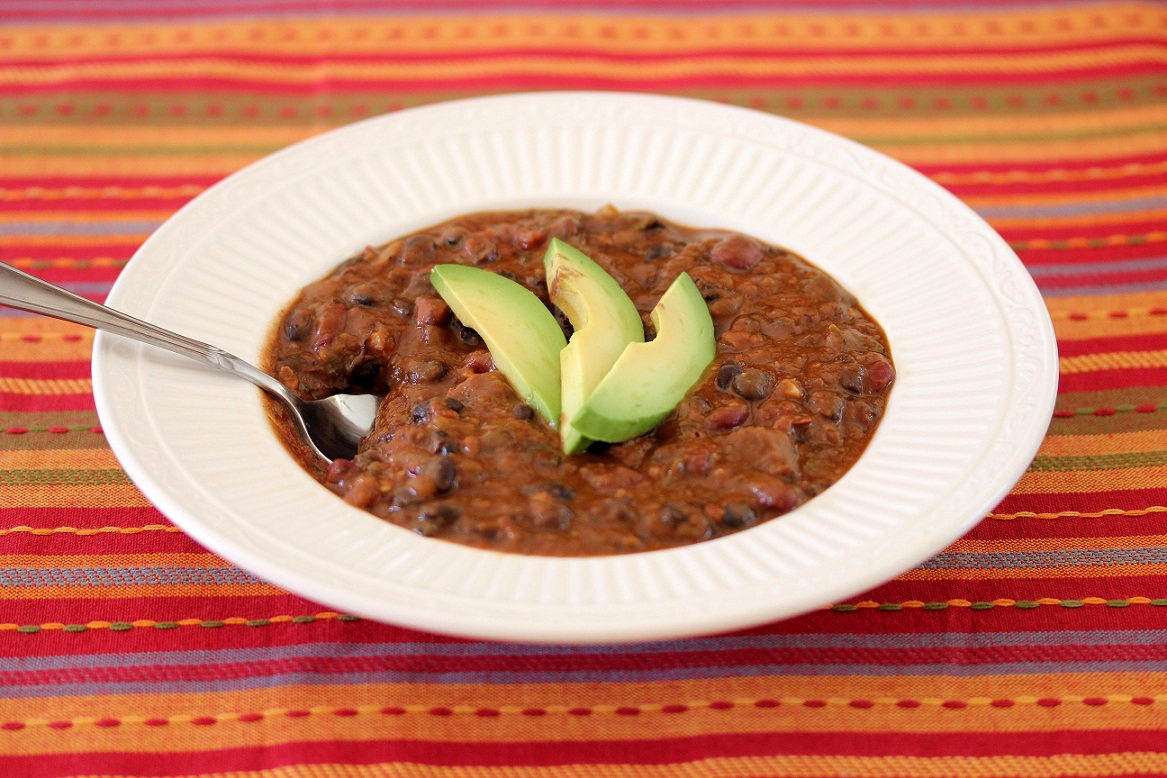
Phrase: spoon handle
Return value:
(28, 293)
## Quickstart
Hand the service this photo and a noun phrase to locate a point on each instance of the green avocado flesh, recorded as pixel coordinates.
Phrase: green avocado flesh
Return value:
(649, 379)
(605, 321)
(523, 337)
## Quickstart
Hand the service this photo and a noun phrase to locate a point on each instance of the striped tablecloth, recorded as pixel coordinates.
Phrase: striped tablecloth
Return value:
(1034, 646)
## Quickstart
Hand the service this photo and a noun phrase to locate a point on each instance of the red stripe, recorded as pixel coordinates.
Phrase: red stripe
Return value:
(46, 250)
(529, 80)
(46, 371)
(578, 50)
(1023, 530)
(1089, 502)
(1100, 230)
(1034, 257)
(1099, 380)
(103, 180)
(1153, 342)
(1101, 279)
(660, 751)
(26, 403)
(1081, 164)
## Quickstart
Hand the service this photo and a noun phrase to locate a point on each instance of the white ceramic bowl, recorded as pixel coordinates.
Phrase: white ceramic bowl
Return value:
(972, 342)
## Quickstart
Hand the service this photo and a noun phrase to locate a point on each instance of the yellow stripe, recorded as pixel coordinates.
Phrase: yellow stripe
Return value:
(107, 496)
(21, 529)
(53, 386)
(1085, 481)
(1113, 443)
(164, 559)
(28, 263)
(49, 194)
(793, 766)
(1092, 173)
(648, 33)
(1112, 360)
(491, 65)
(136, 591)
(131, 240)
(123, 215)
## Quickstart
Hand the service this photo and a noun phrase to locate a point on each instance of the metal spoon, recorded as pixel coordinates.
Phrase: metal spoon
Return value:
(332, 427)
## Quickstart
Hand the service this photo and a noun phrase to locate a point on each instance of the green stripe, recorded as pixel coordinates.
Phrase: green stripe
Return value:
(1118, 461)
(57, 477)
(1083, 405)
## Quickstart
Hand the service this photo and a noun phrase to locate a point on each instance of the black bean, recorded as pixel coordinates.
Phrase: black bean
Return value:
(561, 492)
(298, 325)
(753, 384)
(433, 519)
(363, 294)
(672, 514)
(852, 381)
(523, 411)
(739, 514)
(454, 405)
(421, 413)
(365, 375)
(659, 252)
(465, 334)
(727, 374)
(443, 472)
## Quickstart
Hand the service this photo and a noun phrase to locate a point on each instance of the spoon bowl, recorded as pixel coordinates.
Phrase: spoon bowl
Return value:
(333, 426)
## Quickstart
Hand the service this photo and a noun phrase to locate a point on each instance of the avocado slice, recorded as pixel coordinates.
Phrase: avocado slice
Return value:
(605, 321)
(523, 337)
(650, 379)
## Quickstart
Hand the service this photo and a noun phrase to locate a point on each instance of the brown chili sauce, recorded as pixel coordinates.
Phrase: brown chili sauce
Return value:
(792, 398)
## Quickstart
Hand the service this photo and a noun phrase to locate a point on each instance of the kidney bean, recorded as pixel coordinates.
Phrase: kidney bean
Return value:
(432, 312)
(737, 251)
(728, 416)
(878, 377)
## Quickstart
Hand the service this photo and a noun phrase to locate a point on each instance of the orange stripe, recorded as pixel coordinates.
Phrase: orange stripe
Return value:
(1054, 544)
(1086, 481)
(603, 699)
(1028, 27)
(1010, 574)
(488, 64)
(1111, 443)
(73, 497)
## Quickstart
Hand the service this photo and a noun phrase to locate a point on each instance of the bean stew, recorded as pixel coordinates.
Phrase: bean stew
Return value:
(792, 398)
